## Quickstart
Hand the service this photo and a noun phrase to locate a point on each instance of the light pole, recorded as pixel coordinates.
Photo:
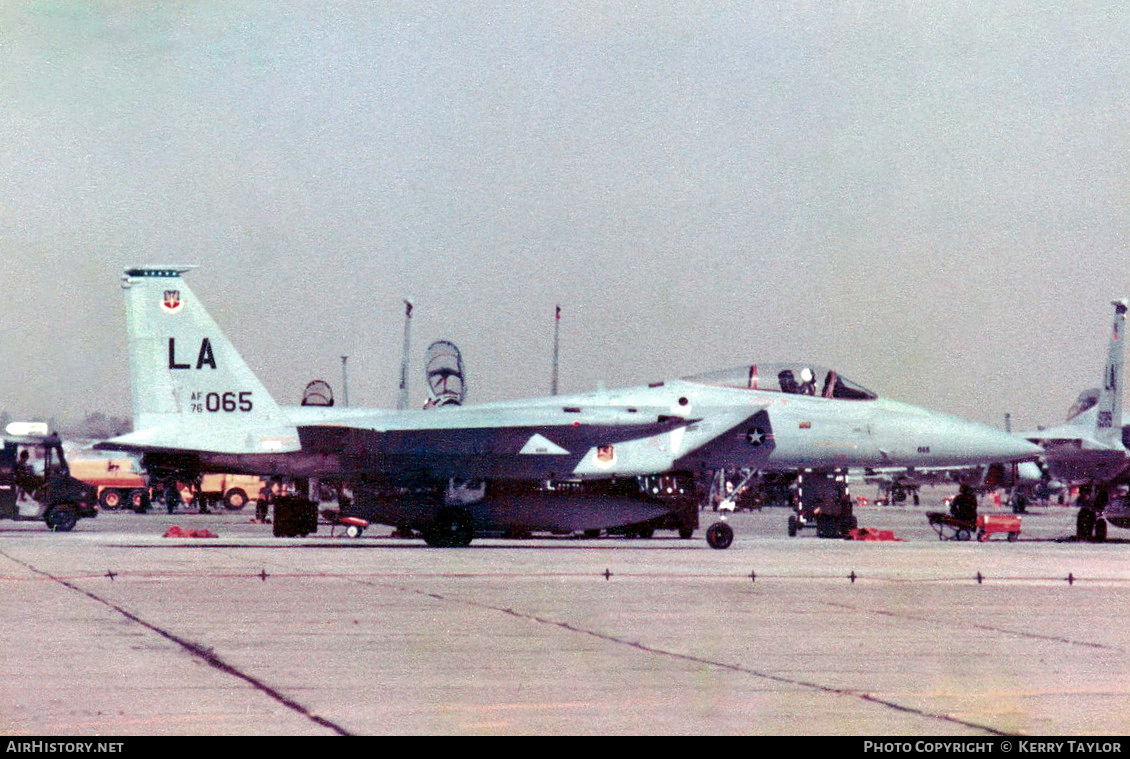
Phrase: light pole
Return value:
(344, 383)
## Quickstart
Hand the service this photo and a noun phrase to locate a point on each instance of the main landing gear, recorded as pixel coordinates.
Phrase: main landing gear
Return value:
(1090, 526)
(452, 527)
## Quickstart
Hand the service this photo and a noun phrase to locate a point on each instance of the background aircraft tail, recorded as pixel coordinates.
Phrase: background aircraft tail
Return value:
(191, 388)
(1108, 420)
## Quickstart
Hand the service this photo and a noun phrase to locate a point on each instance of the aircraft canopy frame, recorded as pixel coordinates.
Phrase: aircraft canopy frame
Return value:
(788, 378)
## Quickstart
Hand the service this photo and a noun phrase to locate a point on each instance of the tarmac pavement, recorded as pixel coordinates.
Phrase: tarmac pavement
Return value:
(114, 630)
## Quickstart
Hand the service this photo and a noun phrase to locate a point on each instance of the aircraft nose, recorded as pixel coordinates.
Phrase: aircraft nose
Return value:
(978, 442)
(1008, 447)
(931, 438)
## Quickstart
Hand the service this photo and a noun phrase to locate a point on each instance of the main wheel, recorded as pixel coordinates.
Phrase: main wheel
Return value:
(1085, 524)
(451, 528)
(61, 517)
(719, 535)
(792, 526)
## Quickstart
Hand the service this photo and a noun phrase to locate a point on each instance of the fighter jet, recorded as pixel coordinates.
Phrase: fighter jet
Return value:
(1089, 449)
(561, 463)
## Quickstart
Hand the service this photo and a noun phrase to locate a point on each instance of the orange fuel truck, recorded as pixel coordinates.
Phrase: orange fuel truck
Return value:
(120, 482)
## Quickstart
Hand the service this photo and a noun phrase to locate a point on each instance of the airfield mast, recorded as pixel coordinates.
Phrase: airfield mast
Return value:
(344, 382)
(556, 334)
(402, 402)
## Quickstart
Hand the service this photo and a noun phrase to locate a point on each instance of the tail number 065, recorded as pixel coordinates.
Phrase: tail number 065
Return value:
(229, 402)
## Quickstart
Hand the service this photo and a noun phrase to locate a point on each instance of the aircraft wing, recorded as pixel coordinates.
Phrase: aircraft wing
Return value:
(508, 441)
(520, 442)
(1072, 433)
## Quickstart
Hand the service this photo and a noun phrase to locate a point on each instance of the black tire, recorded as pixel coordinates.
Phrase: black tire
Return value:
(645, 532)
(1100, 530)
(354, 531)
(686, 532)
(826, 527)
(139, 500)
(1012, 536)
(61, 517)
(592, 534)
(450, 528)
(1085, 524)
(719, 535)
(963, 534)
(792, 526)
(235, 499)
(110, 499)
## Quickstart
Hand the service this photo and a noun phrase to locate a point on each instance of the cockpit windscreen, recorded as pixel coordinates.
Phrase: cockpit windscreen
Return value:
(1084, 402)
(797, 379)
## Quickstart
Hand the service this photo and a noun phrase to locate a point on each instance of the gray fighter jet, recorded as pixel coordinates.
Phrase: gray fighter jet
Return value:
(1089, 449)
(559, 464)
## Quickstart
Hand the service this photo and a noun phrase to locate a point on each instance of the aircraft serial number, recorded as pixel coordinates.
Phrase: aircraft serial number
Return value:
(221, 403)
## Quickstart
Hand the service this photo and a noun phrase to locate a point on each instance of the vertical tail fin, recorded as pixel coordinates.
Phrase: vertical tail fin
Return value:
(187, 379)
(1108, 421)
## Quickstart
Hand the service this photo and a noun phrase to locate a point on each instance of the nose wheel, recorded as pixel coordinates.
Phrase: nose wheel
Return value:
(719, 535)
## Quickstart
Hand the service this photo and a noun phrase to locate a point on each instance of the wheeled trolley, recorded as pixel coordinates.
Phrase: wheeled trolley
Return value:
(950, 527)
(987, 524)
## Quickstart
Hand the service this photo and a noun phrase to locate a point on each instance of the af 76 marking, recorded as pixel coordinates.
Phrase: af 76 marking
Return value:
(227, 403)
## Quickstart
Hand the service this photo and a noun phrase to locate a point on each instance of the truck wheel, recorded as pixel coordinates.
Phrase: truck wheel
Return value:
(720, 535)
(235, 499)
(685, 533)
(139, 501)
(61, 517)
(110, 499)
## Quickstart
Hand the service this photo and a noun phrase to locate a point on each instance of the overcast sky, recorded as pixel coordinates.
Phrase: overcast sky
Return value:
(933, 198)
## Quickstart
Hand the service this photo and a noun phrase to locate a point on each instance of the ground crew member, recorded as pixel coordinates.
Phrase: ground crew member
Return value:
(964, 506)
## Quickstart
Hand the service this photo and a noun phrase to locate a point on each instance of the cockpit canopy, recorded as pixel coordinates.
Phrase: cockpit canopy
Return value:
(798, 379)
(1085, 401)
